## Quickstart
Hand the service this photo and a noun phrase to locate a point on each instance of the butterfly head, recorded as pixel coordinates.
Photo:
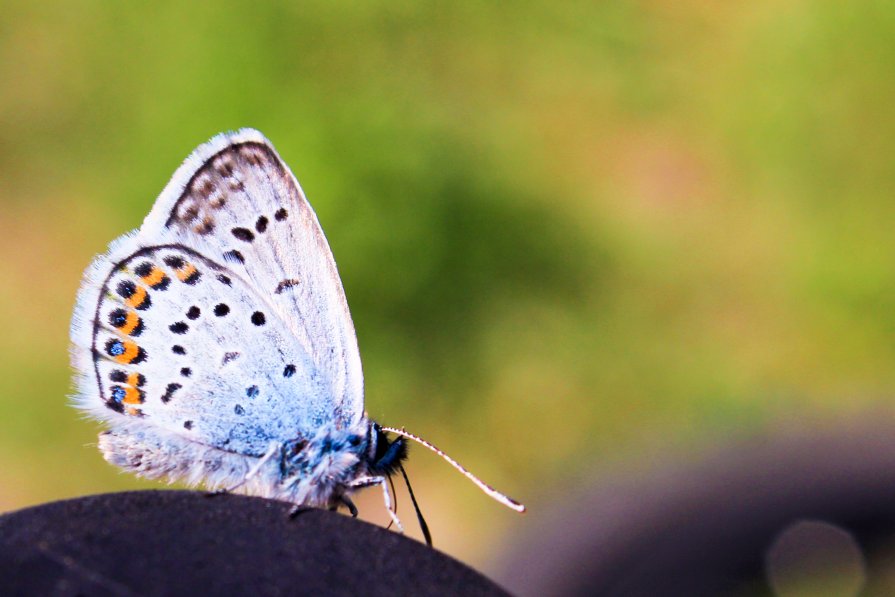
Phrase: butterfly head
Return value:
(383, 456)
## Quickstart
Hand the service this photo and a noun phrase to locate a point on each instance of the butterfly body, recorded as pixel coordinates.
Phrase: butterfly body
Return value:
(321, 472)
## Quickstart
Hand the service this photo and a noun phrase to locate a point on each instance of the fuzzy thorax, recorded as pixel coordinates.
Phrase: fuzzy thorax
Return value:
(317, 472)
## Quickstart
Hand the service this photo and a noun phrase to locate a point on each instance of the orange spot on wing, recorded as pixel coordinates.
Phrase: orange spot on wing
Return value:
(137, 298)
(130, 323)
(154, 277)
(132, 396)
(185, 271)
(131, 350)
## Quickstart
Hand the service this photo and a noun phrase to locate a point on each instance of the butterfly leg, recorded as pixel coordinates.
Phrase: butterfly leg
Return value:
(350, 505)
(344, 500)
(386, 496)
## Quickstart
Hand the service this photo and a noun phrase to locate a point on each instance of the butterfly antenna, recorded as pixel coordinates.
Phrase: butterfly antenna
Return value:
(503, 499)
(394, 504)
(419, 514)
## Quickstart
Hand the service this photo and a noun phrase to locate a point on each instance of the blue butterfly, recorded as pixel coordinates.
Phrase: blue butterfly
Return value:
(217, 345)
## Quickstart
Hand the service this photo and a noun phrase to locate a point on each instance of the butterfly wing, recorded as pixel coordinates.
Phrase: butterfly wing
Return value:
(226, 301)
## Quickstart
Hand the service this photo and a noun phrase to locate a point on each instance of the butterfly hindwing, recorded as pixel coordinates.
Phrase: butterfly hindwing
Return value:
(180, 340)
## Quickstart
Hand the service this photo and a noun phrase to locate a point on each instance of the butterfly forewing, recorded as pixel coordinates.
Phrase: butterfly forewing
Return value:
(236, 201)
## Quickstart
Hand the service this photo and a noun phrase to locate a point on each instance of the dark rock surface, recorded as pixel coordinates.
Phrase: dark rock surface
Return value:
(185, 543)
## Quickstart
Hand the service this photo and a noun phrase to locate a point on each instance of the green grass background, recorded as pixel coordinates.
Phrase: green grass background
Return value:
(574, 236)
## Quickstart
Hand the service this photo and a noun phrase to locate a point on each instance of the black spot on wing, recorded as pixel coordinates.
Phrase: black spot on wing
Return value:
(174, 261)
(141, 356)
(126, 289)
(118, 318)
(169, 391)
(286, 284)
(234, 256)
(243, 234)
(138, 329)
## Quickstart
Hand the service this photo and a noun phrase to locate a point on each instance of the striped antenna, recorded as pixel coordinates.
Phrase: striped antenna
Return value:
(503, 499)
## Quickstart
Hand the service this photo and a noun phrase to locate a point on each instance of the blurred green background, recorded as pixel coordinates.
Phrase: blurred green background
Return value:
(575, 237)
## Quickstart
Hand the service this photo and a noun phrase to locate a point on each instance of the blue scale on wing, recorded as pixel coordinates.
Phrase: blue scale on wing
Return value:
(214, 374)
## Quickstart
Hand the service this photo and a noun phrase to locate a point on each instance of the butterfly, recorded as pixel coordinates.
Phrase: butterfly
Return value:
(216, 344)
